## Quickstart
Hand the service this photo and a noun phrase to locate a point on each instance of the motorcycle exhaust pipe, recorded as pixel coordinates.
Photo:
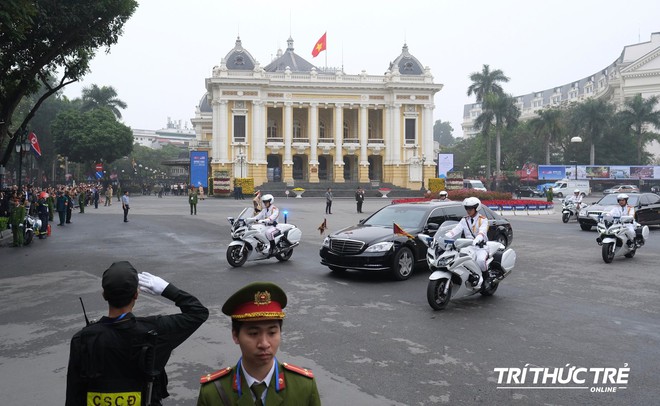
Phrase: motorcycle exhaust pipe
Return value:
(504, 275)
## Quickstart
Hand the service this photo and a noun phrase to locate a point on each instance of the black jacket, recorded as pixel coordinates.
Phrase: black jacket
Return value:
(104, 356)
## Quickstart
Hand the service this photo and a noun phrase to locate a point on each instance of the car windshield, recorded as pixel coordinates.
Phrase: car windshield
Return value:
(610, 200)
(405, 216)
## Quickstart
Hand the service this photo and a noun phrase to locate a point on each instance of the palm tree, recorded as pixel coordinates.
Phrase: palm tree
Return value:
(486, 82)
(591, 119)
(635, 114)
(505, 113)
(95, 97)
(548, 126)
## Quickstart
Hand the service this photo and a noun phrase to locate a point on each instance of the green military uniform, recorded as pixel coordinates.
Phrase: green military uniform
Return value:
(16, 218)
(296, 387)
(82, 199)
(192, 199)
(288, 385)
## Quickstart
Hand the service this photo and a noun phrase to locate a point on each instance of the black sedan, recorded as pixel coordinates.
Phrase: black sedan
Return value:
(647, 209)
(528, 191)
(372, 245)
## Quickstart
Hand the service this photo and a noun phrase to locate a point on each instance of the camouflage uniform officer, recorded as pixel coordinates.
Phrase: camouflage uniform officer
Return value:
(82, 200)
(258, 378)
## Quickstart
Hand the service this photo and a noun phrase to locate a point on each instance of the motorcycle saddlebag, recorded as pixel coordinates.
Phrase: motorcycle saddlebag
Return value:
(506, 258)
(293, 235)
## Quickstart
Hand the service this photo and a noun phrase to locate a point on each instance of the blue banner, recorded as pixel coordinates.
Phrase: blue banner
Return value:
(199, 168)
(551, 172)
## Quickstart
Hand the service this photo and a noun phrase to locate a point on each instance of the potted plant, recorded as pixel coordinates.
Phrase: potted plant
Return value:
(298, 192)
(384, 191)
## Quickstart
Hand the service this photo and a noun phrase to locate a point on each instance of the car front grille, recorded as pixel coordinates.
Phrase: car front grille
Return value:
(344, 246)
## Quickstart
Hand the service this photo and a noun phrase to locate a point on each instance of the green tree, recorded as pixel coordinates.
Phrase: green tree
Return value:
(636, 113)
(502, 109)
(94, 97)
(547, 126)
(92, 136)
(442, 133)
(591, 119)
(49, 43)
(486, 82)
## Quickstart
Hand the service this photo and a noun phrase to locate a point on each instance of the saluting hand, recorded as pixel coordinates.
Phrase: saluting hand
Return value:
(151, 283)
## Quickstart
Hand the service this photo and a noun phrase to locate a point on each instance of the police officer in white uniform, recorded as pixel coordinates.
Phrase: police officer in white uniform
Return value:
(474, 226)
(269, 216)
(576, 198)
(624, 209)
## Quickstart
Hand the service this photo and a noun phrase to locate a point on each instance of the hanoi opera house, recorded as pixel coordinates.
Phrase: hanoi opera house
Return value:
(292, 121)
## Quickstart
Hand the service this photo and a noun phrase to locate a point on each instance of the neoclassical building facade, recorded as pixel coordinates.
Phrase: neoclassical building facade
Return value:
(636, 70)
(292, 121)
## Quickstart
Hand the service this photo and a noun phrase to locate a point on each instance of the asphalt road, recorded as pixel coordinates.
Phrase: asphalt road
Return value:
(368, 339)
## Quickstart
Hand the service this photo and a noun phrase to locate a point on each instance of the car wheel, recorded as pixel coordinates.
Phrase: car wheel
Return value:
(585, 227)
(560, 195)
(403, 263)
(501, 238)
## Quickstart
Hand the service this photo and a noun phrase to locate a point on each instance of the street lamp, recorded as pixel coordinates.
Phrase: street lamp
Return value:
(575, 140)
(22, 146)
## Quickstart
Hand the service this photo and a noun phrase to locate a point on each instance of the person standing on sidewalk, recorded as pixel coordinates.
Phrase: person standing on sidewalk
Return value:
(328, 201)
(125, 205)
(359, 198)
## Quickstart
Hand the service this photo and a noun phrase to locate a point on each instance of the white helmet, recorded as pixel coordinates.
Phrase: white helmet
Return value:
(471, 203)
(622, 196)
(576, 191)
(268, 198)
(443, 193)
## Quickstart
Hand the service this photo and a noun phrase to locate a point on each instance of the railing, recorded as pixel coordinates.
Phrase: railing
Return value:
(274, 139)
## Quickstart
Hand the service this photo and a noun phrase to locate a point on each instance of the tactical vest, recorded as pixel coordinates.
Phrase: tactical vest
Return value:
(117, 363)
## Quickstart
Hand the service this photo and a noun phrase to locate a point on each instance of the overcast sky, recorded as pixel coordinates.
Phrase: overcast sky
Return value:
(169, 47)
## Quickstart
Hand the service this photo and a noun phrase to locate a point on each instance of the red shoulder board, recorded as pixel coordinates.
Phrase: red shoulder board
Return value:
(215, 375)
(300, 371)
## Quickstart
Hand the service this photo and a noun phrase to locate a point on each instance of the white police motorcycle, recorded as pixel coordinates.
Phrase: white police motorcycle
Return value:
(569, 209)
(453, 261)
(613, 239)
(251, 244)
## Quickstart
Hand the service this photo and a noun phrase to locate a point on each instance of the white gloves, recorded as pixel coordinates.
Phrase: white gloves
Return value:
(477, 240)
(151, 283)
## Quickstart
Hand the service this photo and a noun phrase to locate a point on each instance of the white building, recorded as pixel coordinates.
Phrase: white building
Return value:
(175, 133)
(636, 70)
(293, 121)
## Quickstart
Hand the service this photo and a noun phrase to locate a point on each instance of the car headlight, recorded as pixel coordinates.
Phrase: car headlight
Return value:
(326, 242)
(380, 247)
(583, 212)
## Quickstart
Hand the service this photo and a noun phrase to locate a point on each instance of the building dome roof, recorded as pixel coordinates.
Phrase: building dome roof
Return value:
(204, 106)
(239, 58)
(289, 59)
(407, 64)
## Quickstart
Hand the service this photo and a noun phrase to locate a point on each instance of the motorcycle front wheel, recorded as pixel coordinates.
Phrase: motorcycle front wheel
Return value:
(237, 255)
(435, 293)
(29, 236)
(565, 217)
(608, 252)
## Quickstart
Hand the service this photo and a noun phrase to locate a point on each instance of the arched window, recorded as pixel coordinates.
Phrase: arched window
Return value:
(272, 129)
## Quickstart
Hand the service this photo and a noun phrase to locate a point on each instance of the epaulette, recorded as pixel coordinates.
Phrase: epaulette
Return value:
(300, 371)
(215, 375)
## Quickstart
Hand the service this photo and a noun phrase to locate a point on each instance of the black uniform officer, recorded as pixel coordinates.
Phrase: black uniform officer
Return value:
(109, 361)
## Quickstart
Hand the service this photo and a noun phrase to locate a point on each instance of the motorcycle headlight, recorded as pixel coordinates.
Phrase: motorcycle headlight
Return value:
(380, 247)
(326, 242)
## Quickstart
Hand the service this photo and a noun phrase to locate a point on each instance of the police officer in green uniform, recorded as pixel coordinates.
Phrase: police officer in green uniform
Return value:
(120, 360)
(16, 218)
(258, 378)
(192, 199)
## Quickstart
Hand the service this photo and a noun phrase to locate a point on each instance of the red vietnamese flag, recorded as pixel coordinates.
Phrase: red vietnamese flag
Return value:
(320, 46)
(400, 231)
(35, 144)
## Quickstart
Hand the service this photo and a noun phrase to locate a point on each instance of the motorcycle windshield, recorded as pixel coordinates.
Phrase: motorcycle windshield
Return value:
(243, 214)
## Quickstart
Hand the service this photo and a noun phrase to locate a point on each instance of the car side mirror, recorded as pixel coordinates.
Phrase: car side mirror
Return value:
(432, 226)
